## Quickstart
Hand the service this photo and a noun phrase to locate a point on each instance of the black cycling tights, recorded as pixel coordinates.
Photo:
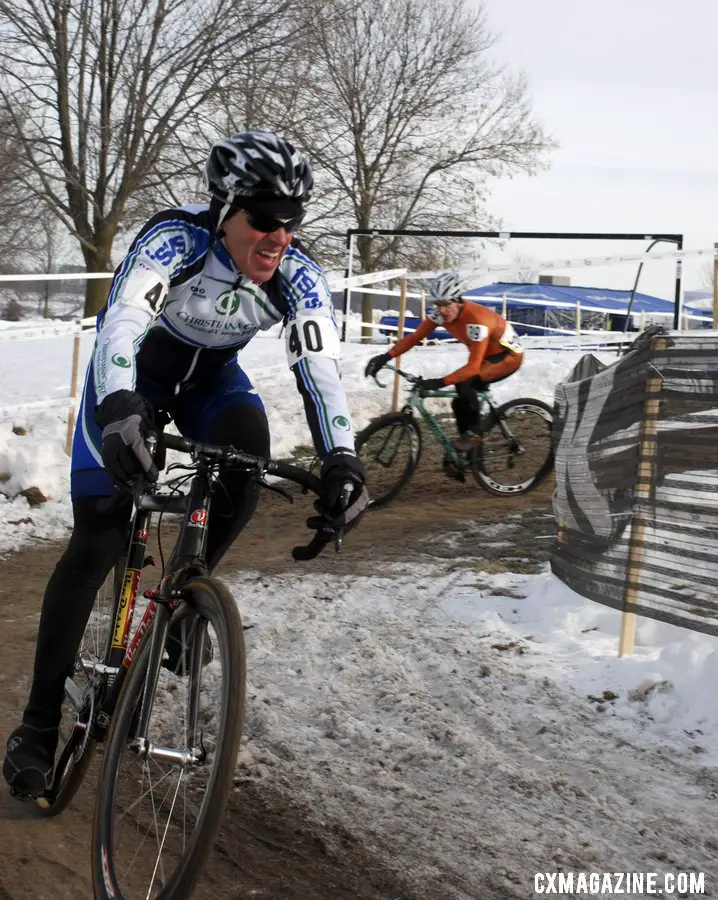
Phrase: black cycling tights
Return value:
(98, 538)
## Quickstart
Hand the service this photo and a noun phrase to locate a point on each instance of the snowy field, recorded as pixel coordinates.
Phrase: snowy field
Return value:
(481, 726)
(38, 371)
(436, 711)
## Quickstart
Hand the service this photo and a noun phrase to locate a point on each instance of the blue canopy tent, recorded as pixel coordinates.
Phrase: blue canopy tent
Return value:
(547, 308)
(544, 309)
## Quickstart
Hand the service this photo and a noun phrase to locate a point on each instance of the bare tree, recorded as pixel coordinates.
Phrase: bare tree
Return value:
(525, 269)
(106, 97)
(16, 239)
(407, 116)
(707, 275)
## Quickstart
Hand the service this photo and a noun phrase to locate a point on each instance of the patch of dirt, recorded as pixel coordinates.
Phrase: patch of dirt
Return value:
(269, 846)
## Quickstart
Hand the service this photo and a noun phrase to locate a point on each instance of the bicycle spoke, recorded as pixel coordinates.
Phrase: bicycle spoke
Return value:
(160, 793)
(140, 827)
(516, 452)
(389, 449)
(162, 811)
(82, 687)
(162, 842)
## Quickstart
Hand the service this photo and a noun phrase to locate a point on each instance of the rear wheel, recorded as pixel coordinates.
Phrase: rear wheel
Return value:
(83, 688)
(516, 453)
(160, 802)
(390, 448)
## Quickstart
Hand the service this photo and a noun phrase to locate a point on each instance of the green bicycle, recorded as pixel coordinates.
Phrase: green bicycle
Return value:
(513, 454)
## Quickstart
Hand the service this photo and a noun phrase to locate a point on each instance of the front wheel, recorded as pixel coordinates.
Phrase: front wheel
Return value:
(390, 448)
(162, 794)
(516, 453)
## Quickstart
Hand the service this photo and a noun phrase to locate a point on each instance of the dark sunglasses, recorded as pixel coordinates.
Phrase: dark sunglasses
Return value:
(262, 221)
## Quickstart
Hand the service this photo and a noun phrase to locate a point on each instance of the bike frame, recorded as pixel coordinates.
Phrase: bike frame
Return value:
(188, 557)
(416, 402)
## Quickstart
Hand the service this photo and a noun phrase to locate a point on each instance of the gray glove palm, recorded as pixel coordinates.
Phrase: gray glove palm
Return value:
(344, 497)
(126, 421)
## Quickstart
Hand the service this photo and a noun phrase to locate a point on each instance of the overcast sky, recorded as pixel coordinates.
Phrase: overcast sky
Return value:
(628, 88)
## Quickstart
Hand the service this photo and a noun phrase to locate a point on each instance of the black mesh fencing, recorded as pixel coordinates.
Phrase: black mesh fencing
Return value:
(636, 498)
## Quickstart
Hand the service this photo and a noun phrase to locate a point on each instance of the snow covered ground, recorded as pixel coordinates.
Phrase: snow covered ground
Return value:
(36, 371)
(481, 726)
(439, 713)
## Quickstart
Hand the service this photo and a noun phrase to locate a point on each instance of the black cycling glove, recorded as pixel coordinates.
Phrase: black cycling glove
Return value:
(126, 420)
(376, 363)
(431, 384)
(343, 496)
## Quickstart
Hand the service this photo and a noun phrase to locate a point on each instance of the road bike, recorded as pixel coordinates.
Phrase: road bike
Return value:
(513, 452)
(165, 701)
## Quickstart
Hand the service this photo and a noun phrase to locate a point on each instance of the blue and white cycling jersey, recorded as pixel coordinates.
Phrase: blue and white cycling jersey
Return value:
(179, 310)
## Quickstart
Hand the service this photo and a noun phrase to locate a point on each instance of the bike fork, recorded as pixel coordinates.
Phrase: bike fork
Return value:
(141, 744)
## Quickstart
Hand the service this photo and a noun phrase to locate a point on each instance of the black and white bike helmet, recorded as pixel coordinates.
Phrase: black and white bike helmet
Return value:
(446, 286)
(255, 164)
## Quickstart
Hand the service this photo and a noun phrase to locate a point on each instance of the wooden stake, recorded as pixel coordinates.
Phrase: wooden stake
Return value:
(399, 336)
(71, 415)
(647, 459)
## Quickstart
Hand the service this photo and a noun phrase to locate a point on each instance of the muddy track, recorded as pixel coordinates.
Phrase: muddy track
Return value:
(269, 847)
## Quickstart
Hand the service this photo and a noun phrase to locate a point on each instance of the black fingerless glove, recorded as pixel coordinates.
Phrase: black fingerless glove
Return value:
(376, 363)
(343, 496)
(126, 420)
(427, 385)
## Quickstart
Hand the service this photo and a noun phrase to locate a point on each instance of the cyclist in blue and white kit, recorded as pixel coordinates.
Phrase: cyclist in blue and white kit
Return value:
(196, 286)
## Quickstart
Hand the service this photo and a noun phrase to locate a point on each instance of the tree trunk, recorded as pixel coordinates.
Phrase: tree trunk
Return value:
(97, 260)
(367, 312)
(367, 300)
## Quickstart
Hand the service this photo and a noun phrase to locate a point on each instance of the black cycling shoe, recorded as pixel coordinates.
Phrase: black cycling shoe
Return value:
(29, 761)
(177, 657)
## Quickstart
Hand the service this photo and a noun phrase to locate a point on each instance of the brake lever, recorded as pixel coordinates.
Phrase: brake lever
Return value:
(344, 496)
(277, 490)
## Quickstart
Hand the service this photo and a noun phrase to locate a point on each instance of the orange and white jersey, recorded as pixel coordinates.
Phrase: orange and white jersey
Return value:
(483, 331)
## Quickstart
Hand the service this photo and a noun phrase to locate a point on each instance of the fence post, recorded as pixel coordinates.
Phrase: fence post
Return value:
(422, 316)
(399, 336)
(647, 459)
(715, 286)
(71, 415)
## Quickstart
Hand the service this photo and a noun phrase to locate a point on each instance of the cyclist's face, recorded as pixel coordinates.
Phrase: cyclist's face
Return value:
(255, 253)
(449, 312)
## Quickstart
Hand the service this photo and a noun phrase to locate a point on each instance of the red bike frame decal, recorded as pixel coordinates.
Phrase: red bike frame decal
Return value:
(198, 518)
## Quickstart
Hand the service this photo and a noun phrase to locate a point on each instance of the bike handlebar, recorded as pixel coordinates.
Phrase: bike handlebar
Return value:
(415, 382)
(231, 457)
(260, 466)
(412, 379)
